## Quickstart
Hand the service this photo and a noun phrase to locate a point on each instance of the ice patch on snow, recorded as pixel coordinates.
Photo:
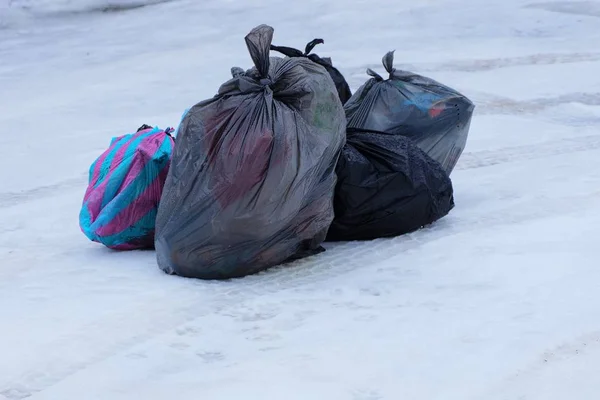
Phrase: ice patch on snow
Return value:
(45, 7)
(587, 8)
(16, 13)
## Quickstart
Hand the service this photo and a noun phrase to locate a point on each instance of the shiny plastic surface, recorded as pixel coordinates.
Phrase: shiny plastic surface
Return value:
(252, 178)
(436, 117)
(387, 186)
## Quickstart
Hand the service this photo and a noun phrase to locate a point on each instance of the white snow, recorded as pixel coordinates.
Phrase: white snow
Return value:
(497, 301)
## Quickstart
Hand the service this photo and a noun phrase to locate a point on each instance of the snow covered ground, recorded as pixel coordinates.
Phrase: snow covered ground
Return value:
(498, 301)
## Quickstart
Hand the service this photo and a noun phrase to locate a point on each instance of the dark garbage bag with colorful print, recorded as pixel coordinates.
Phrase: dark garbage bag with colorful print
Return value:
(340, 82)
(436, 117)
(387, 186)
(253, 174)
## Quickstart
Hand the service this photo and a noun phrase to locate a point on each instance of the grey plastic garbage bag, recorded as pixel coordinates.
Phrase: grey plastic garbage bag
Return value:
(253, 173)
(436, 117)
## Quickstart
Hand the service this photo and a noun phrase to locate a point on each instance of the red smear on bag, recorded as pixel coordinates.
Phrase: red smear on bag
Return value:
(436, 110)
(244, 165)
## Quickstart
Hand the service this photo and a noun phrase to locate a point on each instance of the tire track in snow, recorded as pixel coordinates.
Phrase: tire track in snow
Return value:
(497, 105)
(486, 158)
(489, 64)
(11, 199)
(339, 260)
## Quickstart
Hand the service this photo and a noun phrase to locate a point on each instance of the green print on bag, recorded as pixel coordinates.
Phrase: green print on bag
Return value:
(325, 114)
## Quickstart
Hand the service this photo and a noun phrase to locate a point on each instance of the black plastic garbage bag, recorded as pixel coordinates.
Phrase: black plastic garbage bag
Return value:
(253, 173)
(435, 116)
(339, 80)
(387, 186)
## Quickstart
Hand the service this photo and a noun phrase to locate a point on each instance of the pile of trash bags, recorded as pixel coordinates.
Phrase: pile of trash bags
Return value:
(283, 158)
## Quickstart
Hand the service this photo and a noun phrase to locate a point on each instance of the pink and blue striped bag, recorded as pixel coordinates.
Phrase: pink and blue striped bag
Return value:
(125, 185)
